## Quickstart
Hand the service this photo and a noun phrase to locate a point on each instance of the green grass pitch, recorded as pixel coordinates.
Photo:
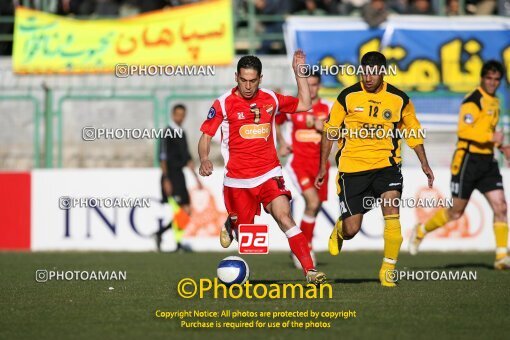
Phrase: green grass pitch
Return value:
(89, 310)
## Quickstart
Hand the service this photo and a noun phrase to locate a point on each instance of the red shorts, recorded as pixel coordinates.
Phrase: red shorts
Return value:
(305, 175)
(245, 202)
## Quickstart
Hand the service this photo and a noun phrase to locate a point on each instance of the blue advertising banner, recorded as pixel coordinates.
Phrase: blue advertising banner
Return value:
(438, 60)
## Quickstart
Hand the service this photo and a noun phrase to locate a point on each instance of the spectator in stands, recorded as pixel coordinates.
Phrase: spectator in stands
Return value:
(486, 7)
(374, 13)
(311, 8)
(129, 8)
(330, 6)
(347, 7)
(316, 7)
(452, 8)
(152, 5)
(504, 8)
(398, 6)
(271, 7)
(107, 7)
(100, 7)
(50, 6)
(421, 7)
(6, 9)
(68, 7)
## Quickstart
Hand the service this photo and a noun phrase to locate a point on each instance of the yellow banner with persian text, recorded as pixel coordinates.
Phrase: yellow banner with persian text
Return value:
(197, 34)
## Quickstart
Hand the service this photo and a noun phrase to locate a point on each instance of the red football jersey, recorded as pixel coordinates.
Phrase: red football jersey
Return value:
(247, 135)
(306, 139)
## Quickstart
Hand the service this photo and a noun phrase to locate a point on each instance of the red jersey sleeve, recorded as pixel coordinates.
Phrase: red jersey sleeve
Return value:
(213, 121)
(280, 118)
(287, 104)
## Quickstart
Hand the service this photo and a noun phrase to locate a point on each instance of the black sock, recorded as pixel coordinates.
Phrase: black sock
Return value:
(169, 226)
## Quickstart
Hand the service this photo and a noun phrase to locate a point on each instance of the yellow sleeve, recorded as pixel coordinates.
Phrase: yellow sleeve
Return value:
(468, 117)
(411, 126)
(336, 116)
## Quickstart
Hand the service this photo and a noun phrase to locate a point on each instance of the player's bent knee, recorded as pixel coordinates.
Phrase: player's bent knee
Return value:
(347, 236)
(313, 205)
(501, 207)
(349, 233)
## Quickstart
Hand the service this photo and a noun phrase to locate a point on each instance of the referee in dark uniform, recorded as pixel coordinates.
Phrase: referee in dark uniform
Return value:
(174, 156)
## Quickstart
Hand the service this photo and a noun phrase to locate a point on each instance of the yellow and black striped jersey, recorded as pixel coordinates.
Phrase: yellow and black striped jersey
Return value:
(388, 111)
(478, 118)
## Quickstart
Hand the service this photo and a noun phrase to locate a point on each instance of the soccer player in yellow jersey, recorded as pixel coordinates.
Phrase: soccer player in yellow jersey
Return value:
(474, 166)
(369, 168)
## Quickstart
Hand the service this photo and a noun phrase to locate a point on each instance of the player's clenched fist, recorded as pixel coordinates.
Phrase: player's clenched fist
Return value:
(319, 180)
(206, 168)
(298, 59)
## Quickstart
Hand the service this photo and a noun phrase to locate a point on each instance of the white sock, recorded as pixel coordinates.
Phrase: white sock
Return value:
(308, 218)
(293, 231)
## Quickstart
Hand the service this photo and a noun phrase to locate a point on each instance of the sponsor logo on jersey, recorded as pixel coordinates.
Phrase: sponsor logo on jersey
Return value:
(308, 136)
(240, 115)
(252, 131)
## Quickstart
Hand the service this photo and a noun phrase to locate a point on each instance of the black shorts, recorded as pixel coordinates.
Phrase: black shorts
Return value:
(179, 190)
(359, 189)
(472, 171)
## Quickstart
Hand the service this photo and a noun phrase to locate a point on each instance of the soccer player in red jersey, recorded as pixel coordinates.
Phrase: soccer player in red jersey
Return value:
(253, 174)
(303, 164)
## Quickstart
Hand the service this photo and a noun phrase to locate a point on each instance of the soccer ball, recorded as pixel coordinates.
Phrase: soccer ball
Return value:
(233, 269)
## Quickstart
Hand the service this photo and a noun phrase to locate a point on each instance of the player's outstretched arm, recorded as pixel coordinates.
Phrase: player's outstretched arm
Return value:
(305, 101)
(420, 152)
(326, 145)
(204, 147)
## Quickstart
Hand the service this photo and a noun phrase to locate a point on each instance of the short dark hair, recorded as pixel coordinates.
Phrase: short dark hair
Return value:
(249, 61)
(373, 58)
(494, 66)
(178, 106)
(317, 74)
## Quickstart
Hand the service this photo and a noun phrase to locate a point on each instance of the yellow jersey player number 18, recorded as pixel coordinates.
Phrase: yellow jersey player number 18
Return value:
(473, 164)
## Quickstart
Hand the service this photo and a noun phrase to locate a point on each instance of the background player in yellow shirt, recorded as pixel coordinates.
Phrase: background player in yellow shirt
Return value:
(369, 168)
(474, 166)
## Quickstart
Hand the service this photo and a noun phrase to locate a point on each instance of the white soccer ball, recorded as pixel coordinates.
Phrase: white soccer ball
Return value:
(233, 269)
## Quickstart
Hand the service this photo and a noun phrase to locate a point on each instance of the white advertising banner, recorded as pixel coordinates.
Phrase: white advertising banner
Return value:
(109, 224)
